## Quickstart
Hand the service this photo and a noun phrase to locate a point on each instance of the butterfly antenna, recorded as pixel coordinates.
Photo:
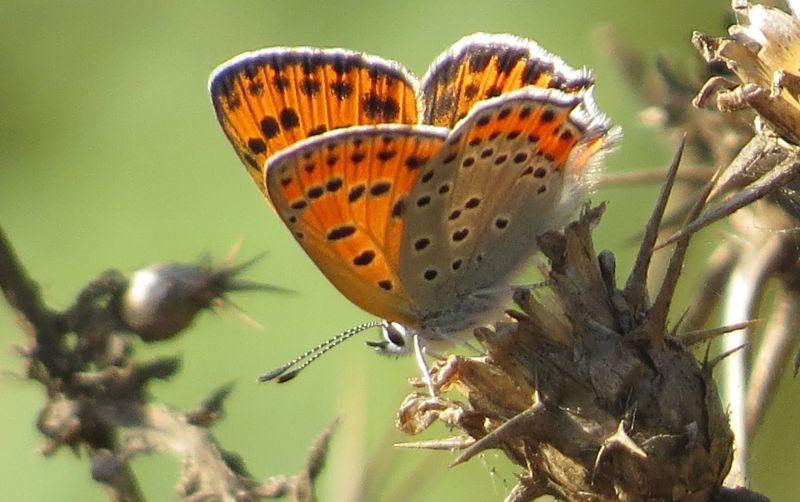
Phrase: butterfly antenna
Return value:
(310, 356)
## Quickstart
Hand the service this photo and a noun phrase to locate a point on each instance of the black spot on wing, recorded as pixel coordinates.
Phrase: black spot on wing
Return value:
(315, 192)
(399, 208)
(415, 162)
(356, 193)
(289, 118)
(364, 258)
(380, 188)
(270, 127)
(280, 83)
(256, 145)
(314, 131)
(472, 203)
(377, 107)
(342, 89)
(310, 87)
(341, 232)
(385, 155)
(460, 235)
(333, 184)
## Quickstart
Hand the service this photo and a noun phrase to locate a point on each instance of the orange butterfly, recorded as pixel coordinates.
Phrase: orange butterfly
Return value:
(417, 201)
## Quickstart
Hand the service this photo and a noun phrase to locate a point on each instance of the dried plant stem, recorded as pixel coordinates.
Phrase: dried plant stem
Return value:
(742, 294)
(698, 175)
(734, 370)
(782, 174)
(704, 302)
(773, 356)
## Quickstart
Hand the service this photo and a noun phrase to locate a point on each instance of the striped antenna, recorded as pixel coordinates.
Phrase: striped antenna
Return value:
(280, 374)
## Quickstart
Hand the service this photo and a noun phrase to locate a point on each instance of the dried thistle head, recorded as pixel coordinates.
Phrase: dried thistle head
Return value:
(585, 390)
(763, 52)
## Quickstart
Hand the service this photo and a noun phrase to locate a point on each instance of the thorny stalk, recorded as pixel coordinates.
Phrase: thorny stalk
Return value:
(96, 398)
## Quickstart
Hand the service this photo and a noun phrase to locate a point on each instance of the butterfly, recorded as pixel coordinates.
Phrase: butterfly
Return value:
(417, 200)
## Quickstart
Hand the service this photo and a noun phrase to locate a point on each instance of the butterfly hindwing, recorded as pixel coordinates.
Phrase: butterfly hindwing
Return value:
(494, 187)
(268, 100)
(343, 196)
(483, 66)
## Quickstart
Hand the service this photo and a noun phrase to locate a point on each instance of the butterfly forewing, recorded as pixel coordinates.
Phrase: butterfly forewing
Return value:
(483, 66)
(344, 197)
(271, 99)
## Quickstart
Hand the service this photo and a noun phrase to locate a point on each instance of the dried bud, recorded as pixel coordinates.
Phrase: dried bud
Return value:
(163, 299)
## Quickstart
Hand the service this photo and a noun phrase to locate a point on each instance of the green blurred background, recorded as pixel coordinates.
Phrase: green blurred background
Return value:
(110, 157)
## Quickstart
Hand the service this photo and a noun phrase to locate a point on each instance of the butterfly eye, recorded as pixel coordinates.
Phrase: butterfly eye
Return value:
(394, 336)
(396, 340)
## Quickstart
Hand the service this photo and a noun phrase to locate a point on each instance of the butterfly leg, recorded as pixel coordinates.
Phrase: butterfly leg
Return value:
(490, 298)
(423, 365)
(502, 290)
(535, 285)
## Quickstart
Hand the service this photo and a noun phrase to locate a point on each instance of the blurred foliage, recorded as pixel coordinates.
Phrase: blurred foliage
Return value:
(111, 157)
